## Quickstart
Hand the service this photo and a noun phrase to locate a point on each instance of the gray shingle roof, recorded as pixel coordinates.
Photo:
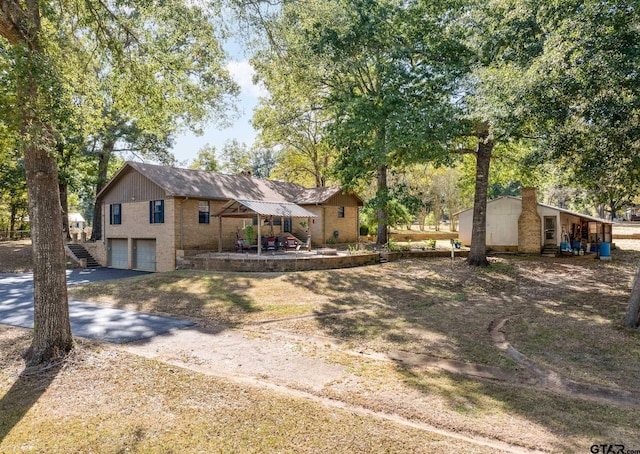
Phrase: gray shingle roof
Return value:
(200, 184)
(310, 196)
(213, 185)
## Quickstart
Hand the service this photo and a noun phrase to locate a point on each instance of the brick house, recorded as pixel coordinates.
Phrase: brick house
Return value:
(151, 214)
(528, 226)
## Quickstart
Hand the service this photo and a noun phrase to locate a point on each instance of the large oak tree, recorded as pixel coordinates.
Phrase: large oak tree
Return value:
(135, 72)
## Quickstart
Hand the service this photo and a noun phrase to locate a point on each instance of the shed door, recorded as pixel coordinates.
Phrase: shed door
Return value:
(118, 253)
(550, 230)
(144, 255)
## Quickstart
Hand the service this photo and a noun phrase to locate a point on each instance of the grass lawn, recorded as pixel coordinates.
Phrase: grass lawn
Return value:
(564, 314)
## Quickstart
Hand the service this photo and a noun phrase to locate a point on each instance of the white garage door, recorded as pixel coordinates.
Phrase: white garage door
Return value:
(118, 256)
(144, 255)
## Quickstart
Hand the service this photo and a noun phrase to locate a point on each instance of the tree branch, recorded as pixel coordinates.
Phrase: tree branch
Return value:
(11, 15)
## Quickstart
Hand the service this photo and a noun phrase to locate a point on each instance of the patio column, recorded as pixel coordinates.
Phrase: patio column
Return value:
(219, 233)
(259, 237)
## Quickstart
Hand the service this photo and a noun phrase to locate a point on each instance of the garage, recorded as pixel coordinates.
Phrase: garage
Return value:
(144, 255)
(118, 253)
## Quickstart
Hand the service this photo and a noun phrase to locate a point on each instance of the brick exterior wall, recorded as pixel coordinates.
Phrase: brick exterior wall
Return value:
(182, 230)
(98, 251)
(327, 221)
(529, 227)
(135, 225)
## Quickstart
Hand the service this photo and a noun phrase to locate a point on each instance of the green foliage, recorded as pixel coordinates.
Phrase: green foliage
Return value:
(206, 159)
(249, 234)
(236, 156)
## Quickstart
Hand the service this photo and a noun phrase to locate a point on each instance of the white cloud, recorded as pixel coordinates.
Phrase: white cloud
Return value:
(242, 73)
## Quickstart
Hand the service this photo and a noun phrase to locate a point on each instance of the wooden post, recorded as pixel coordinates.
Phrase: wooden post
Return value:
(220, 233)
(259, 237)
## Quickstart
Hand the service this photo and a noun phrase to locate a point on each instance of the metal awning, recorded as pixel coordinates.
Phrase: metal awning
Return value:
(248, 208)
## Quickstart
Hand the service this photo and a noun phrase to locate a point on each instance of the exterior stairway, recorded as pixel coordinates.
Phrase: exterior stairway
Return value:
(81, 253)
(550, 251)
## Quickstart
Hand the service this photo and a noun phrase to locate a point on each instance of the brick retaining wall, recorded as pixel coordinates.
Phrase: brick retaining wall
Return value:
(235, 262)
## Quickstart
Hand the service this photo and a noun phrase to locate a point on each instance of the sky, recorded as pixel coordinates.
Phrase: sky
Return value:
(186, 146)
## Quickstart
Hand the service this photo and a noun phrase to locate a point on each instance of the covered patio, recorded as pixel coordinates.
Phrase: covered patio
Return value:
(261, 211)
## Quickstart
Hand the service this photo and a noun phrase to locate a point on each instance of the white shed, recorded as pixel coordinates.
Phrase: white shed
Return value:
(557, 225)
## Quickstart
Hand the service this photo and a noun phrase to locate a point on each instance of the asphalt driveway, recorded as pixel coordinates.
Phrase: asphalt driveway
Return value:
(87, 320)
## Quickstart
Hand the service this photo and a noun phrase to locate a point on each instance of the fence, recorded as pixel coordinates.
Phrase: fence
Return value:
(6, 235)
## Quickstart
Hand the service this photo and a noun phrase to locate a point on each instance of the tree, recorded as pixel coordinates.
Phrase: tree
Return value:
(263, 161)
(167, 75)
(297, 129)
(236, 157)
(206, 159)
(21, 26)
(155, 67)
(504, 38)
(585, 96)
(632, 317)
(387, 85)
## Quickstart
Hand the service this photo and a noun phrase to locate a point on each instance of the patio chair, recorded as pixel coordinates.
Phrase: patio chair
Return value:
(305, 247)
(241, 245)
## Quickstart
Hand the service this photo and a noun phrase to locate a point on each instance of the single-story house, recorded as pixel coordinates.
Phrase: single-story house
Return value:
(76, 226)
(525, 225)
(152, 214)
(76, 221)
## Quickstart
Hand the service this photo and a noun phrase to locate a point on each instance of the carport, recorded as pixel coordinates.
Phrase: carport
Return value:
(260, 210)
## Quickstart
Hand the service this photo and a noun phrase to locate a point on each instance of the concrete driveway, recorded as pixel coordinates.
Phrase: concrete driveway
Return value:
(87, 320)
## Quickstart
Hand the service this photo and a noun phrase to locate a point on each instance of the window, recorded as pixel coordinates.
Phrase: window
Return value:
(156, 211)
(203, 211)
(340, 212)
(115, 213)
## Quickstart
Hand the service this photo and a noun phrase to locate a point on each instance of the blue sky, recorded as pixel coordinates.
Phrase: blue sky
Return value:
(186, 146)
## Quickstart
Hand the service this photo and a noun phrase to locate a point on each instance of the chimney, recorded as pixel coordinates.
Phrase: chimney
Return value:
(529, 227)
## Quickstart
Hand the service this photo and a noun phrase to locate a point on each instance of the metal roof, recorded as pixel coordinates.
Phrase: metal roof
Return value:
(244, 208)
(562, 210)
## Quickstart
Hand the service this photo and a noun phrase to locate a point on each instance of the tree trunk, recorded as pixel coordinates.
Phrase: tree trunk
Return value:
(51, 328)
(64, 203)
(614, 209)
(12, 221)
(382, 213)
(478, 252)
(632, 319)
(437, 214)
(103, 168)
(452, 219)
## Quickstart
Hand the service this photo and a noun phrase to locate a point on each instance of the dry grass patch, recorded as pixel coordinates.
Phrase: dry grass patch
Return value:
(102, 400)
(564, 313)
(16, 256)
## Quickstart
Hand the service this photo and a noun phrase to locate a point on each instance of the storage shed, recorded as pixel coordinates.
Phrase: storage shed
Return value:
(525, 225)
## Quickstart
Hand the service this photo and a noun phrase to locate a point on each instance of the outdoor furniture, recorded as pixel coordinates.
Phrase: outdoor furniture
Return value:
(269, 243)
(305, 247)
(291, 242)
(241, 245)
